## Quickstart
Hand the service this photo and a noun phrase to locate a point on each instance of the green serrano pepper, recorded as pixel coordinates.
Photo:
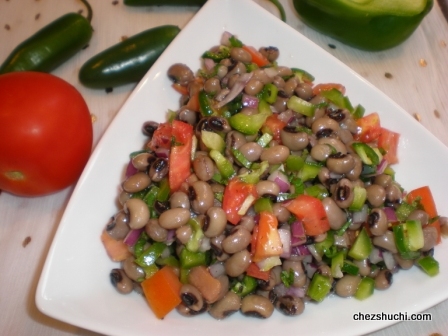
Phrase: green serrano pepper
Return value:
(52, 45)
(128, 61)
(164, 2)
(190, 3)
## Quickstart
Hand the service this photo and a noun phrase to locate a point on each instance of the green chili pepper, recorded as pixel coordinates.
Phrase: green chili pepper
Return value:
(336, 96)
(52, 45)
(197, 234)
(128, 61)
(164, 2)
(191, 3)
(369, 25)
(246, 286)
(241, 158)
(205, 106)
(366, 153)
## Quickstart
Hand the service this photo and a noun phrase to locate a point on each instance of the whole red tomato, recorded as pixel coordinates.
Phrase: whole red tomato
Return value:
(45, 133)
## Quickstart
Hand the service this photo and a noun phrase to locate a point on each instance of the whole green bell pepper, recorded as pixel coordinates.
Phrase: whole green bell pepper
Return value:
(364, 24)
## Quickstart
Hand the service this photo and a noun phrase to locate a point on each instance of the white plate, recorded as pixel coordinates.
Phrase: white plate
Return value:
(74, 286)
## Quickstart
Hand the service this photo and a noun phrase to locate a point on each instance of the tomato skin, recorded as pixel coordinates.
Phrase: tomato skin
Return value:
(388, 141)
(424, 195)
(318, 88)
(370, 128)
(180, 154)
(267, 242)
(46, 133)
(235, 193)
(273, 125)
(311, 212)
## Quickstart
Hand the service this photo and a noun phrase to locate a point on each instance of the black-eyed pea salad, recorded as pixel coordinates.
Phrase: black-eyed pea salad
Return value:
(264, 191)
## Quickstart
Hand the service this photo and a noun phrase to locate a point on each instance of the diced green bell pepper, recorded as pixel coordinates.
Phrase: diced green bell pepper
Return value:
(319, 287)
(409, 239)
(429, 265)
(224, 166)
(364, 24)
(213, 140)
(301, 106)
(189, 259)
(150, 255)
(362, 246)
(365, 288)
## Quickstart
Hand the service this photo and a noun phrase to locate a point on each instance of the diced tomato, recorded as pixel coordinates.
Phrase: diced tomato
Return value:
(235, 194)
(257, 57)
(162, 291)
(424, 196)
(388, 141)
(268, 243)
(273, 125)
(254, 271)
(369, 128)
(161, 137)
(311, 212)
(116, 249)
(328, 86)
(180, 154)
(183, 90)
(193, 102)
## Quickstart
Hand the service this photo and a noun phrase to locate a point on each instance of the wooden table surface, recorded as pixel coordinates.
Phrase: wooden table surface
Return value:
(413, 74)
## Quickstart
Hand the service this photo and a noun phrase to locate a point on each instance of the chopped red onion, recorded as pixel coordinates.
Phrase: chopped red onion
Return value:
(250, 101)
(297, 229)
(132, 237)
(236, 89)
(205, 244)
(209, 64)
(163, 153)
(285, 238)
(390, 214)
(381, 167)
(296, 291)
(217, 269)
(280, 179)
(130, 169)
(271, 72)
(376, 256)
(341, 241)
(314, 253)
(360, 216)
(310, 269)
(171, 236)
(225, 38)
(389, 260)
(300, 250)
(286, 116)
